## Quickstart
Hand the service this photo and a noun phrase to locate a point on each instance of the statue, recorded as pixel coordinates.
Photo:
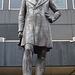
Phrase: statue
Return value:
(34, 32)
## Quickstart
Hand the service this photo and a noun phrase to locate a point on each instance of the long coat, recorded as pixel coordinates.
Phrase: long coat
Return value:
(34, 23)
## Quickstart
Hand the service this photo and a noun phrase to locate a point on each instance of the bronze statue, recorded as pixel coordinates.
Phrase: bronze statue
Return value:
(34, 32)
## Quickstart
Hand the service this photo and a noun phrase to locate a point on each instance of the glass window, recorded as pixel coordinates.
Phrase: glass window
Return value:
(74, 4)
(0, 4)
(15, 4)
(62, 4)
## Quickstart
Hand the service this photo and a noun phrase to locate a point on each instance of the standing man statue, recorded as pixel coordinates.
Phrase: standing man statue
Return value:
(34, 32)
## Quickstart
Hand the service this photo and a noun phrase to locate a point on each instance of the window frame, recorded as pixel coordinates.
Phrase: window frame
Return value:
(2, 5)
(12, 8)
(73, 4)
(63, 8)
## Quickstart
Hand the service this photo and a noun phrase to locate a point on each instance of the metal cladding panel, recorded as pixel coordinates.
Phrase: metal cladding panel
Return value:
(13, 54)
(7, 17)
(5, 4)
(9, 31)
(61, 29)
(14, 16)
(54, 57)
(73, 29)
(73, 16)
(65, 18)
(63, 32)
(62, 54)
(2, 54)
(2, 17)
(71, 53)
(70, 5)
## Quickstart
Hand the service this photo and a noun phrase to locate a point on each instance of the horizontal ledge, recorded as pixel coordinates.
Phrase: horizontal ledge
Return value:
(52, 40)
(51, 24)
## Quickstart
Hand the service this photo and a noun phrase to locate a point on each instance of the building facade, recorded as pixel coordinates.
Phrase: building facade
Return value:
(63, 29)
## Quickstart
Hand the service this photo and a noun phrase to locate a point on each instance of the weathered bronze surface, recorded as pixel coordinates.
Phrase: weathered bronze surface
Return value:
(34, 32)
(34, 22)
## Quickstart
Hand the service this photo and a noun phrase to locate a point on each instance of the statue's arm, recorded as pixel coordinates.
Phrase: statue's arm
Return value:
(57, 13)
(21, 17)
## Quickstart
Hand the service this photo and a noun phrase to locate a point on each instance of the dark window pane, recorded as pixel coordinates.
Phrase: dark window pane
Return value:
(15, 3)
(60, 3)
(0, 4)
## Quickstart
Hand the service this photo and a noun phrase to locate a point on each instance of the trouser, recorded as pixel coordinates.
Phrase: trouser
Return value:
(27, 60)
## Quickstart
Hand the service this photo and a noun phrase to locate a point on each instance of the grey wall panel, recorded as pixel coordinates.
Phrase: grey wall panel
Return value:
(71, 53)
(10, 17)
(73, 16)
(63, 32)
(54, 57)
(62, 54)
(2, 17)
(65, 53)
(5, 4)
(73, 29)
(2, 54)
(9, 31)
(13, 54)
(7, 17)
(70, 6)
(34, 59)
(65, 18)
(14, 16)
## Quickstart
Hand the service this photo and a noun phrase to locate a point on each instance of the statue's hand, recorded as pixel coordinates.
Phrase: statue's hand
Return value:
(48, 17)
(20, 34)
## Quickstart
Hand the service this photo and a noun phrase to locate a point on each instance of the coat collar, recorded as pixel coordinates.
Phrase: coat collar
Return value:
(40, 2)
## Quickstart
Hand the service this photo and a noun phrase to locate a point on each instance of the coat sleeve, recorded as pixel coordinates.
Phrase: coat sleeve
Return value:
(21, 17)
(57, 13)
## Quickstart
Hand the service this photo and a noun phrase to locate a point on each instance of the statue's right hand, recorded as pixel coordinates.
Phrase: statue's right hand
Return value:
(20, 34)
(48, 17)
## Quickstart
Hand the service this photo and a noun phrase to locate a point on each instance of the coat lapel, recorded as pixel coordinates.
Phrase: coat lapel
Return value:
(33, 2)
(40, 2)
(37, 4)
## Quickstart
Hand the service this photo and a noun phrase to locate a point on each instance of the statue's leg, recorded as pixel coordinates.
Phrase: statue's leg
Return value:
(41, 61)
(27, 60)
